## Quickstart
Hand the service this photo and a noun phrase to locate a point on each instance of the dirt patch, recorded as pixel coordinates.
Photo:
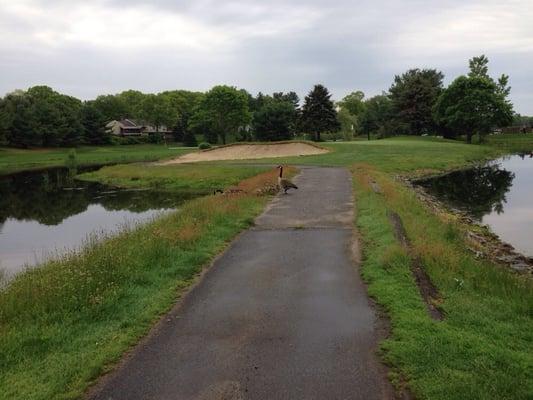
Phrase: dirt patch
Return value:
(250, 151)
(429, 292)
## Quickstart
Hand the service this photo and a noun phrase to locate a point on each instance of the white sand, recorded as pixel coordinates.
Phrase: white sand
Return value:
(249, 151)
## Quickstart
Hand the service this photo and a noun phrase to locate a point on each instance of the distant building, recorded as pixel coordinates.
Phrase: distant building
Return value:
(129, 127)
(124, 127)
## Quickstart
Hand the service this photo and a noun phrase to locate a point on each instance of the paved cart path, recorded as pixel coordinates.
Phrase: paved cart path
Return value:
(282, 314)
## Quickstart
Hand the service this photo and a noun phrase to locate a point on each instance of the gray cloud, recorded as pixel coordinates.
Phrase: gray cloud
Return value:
(90, 48)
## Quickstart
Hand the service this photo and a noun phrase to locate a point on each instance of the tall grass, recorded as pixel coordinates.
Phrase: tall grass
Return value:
(63, 324)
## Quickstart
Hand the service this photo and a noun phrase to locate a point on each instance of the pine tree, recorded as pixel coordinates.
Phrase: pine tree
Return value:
(93, 122)
(318, 113)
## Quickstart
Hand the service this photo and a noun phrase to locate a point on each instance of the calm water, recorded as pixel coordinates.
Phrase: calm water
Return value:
(498, 194)
(44, 213)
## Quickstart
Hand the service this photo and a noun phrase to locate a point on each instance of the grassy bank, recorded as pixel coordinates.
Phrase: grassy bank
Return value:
(65, 323)
(13, 160)
(483, 348)
(194, 177)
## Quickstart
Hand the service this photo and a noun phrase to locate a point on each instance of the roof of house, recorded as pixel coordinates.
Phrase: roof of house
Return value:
(124, 123)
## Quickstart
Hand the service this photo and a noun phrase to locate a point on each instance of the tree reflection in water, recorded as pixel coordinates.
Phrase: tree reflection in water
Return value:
(478, 191)
(50, 196)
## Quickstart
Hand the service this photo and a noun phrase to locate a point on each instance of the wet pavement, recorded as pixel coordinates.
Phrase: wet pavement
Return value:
(282, 314)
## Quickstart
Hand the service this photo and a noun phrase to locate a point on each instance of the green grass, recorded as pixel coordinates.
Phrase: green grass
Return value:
(400, 154)
(13, 160)
(484, 347)
(64, 324)
(193, 177)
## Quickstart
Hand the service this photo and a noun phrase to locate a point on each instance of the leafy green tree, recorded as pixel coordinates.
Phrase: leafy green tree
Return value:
(132, 101)
(17, 121)
(275, 120)
(413, 96)
(93, 123)
(377, 117)
(318, 113)
(223, 110)
(111, 107)
(156, 110)
(476, 103)
(182, 106)
(350, 109)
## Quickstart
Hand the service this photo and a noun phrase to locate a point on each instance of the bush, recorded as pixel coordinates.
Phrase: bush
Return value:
(156, 138)
(204, 146)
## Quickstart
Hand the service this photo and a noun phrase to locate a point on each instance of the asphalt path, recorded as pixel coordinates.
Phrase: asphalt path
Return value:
(282, 314)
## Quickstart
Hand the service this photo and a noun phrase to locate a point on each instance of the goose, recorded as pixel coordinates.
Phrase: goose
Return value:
(284, 184)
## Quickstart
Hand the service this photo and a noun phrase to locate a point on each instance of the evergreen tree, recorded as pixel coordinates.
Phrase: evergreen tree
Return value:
(413, 96)
(318, 113)
(93, 123)
(274, 121)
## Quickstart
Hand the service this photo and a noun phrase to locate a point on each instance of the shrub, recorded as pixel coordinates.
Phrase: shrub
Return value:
(204, 146)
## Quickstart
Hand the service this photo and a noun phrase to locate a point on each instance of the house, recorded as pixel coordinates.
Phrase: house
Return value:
(129, 127)
(124, 127)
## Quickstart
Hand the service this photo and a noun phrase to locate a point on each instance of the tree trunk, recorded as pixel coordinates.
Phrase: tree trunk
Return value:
(469, 138)
(368, 135)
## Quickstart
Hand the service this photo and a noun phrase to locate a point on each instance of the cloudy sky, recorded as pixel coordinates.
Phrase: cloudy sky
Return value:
(86, 48)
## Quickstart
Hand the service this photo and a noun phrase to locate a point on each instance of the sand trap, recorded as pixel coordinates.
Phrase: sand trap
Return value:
(250, 151)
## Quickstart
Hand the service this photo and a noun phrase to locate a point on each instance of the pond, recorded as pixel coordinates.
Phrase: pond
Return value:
(498, 194)
(45, 213)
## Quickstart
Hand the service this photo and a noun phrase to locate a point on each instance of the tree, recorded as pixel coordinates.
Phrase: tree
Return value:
(131, 101)
(182, 105)
(17, 121)
(111, 107)
(156, 110)
(475, 104)
(377, 117)
(318, 112)
(222, 110)
(275, 120)
(93, 122)
(351, 107)
(413, 96)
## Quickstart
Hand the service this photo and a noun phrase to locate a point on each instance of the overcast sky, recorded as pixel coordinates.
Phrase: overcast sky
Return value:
(86, 48)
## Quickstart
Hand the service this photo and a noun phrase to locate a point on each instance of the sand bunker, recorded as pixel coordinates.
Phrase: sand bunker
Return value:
(250, 151)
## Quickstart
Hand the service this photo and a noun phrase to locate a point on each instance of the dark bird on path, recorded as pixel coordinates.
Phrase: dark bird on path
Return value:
(284, 184)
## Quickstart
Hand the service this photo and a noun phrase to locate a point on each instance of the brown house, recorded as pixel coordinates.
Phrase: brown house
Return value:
(128, 127)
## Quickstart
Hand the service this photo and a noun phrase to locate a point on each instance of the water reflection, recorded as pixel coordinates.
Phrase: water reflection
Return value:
(46, 212)
(498, 194)
(478, 191)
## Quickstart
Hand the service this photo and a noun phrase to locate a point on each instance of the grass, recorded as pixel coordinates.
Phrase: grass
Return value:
(395, 155)
(67, 322)
(14, 160)
(483, 348)
(64, 324)
(193, 177)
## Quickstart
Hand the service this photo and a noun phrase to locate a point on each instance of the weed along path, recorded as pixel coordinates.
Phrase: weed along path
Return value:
(282, 314)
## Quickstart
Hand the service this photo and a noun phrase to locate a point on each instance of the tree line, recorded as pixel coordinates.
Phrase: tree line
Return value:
(42, 117)
(417, 103)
